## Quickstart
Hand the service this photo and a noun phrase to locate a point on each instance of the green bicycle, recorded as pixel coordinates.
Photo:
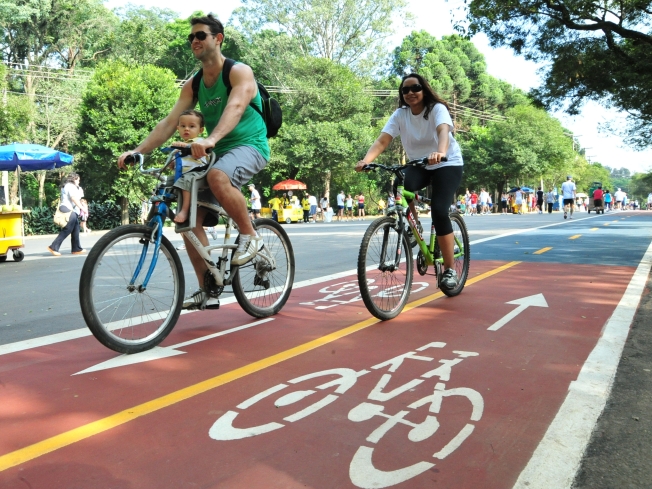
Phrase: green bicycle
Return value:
(385, 260)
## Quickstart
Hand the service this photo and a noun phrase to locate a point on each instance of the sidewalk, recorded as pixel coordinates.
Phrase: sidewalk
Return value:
(620, 450)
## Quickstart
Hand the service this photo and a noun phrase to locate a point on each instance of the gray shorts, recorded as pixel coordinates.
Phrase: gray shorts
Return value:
(239, 164)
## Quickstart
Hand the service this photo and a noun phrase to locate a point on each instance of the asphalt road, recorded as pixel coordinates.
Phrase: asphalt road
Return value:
(40, 297)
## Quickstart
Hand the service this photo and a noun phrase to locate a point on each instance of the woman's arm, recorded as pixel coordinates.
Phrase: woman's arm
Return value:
(377, 148)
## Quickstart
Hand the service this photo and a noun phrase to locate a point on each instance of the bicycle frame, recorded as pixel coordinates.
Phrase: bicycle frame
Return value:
(161, 211)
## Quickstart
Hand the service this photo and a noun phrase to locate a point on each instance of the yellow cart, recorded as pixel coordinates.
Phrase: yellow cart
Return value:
(11, 234)
(287, 215)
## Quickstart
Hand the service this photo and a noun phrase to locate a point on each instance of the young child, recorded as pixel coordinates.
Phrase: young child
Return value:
(83, 216)
(191, 125)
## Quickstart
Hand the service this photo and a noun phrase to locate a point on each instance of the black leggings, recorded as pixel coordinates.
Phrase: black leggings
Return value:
(443, 182)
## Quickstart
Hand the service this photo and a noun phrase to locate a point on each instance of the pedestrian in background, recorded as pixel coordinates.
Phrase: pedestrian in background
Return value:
(256, 204)
(305, 205)
(550, 200)
(70, 201)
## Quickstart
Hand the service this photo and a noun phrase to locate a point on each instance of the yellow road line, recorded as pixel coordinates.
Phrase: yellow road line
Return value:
(56, 442)
(594, 229)
(606, 223)
(575, 237)
(542, 250)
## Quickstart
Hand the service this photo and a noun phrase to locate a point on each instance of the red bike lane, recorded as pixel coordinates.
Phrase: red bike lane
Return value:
(320, 396)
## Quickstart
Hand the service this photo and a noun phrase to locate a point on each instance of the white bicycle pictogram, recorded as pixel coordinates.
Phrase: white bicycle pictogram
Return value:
(362, 471)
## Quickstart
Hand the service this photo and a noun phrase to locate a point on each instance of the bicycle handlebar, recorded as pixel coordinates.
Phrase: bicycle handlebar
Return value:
(419, 162)
(140, 159)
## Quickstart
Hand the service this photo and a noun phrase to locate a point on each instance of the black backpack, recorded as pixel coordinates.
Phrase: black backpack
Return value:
(272, 114)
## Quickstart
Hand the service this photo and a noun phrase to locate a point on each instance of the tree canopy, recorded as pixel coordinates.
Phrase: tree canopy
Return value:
(589, 51)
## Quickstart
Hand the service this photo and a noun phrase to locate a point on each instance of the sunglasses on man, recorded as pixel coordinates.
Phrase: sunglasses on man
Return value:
(201, 36)
(412, 88)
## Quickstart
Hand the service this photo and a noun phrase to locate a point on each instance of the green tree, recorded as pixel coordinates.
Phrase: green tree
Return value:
(590, 51)
(326, 127)
(344, 31)
(529, 146)
(121, 105)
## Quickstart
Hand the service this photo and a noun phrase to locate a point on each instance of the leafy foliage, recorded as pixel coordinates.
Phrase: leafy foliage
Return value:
(122, 104)
(591, 50)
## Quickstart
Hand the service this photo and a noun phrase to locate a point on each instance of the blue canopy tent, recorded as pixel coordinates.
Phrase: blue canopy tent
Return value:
(32, 157)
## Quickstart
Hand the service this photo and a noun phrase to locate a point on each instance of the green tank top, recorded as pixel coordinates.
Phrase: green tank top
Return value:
(250, 131)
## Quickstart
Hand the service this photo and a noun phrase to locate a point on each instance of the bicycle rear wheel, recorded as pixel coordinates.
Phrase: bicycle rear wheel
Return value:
(462, 252)
(122, 317)
(384, 287)
(262, 288)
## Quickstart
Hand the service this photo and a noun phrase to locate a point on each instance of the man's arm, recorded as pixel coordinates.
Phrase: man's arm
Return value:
(243, 91)
(164, 129)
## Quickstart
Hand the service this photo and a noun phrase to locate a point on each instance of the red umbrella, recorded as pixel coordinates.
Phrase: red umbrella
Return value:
(290, 185)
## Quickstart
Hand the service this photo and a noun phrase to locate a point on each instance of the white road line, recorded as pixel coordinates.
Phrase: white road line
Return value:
(82, 332)
(559, 454)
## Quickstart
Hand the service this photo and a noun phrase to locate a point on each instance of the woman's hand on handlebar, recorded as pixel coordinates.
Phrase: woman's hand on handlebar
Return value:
(360, 165)
(436, 158)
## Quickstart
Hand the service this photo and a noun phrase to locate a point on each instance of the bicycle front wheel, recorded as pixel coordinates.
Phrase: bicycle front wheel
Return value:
(384, 285)
(121, 315)
(263, 285)
(462, 251)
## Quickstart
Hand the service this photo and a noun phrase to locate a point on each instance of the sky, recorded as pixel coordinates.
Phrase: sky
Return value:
(436, 17)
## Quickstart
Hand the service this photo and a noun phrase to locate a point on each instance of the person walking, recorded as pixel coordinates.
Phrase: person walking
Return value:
(503, 203)
(550, 200)
(275, 205)
(620, 197)
(425, 126)
(305, 205)
(598, 195)
(70, 201)
(349, 207)
(313, 207)
(540, 200)
(518, 198)
(361, 214)
(256, 204)
(340, 205)
(568, 191)
(607, 200)
(649, 202)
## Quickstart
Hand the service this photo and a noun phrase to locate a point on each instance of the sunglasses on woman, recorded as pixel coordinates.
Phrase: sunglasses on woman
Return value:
(412, 88)
(200, 35)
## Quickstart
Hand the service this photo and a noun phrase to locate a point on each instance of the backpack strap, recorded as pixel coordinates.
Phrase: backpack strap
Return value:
(226, 79)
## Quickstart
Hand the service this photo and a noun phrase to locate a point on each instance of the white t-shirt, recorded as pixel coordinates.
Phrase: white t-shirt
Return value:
(255, 200)
(312, 200)
(484, 197)
(70, 190)
(620, 195)
(519, 197)
(649, 198)
(340, 199)
(568, 190)
(419, 136)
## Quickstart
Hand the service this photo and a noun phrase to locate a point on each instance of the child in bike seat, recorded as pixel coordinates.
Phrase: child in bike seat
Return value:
(191, 125)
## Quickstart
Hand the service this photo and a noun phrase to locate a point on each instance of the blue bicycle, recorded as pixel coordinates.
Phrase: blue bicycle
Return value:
(132, 284)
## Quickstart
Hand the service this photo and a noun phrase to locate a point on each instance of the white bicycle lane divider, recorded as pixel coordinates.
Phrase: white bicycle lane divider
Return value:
(362, 471)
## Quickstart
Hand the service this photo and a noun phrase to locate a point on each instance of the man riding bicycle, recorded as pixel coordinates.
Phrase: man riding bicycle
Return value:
(236, 134)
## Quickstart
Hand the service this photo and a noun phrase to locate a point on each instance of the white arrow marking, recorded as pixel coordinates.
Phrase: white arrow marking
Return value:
(157, 352)
(534, 300)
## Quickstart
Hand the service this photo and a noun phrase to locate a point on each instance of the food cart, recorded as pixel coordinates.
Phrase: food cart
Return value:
(22, 157)
(290, 213)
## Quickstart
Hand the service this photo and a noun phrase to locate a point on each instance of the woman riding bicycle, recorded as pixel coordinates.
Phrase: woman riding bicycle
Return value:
(424, 123)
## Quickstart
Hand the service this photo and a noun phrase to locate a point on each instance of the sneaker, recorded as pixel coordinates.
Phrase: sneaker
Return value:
(194, 300)
(448, 280)
(248, 246)
(565, 215)
(213, 233)
(181, 247)
(55, 253)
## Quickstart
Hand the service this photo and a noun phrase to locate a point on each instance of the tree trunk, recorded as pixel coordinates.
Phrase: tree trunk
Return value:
(327, 184)
(41, 188)
(13, 190)
(124, 207)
